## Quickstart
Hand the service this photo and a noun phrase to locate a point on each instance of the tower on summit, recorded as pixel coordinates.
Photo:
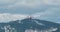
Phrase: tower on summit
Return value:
(30, 17)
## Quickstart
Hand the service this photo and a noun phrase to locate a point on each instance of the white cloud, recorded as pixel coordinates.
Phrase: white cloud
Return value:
(28, 3)
(52, 2)
(4, 2)
(6, 17)
(51, 14)
(48, 14)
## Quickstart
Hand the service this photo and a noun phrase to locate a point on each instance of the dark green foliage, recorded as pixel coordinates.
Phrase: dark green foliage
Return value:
(30, 24)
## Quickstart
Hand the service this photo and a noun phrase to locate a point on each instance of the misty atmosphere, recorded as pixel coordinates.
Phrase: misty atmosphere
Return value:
(29, 15)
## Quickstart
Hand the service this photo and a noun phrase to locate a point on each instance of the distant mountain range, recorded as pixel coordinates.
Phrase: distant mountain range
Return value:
(31, 25)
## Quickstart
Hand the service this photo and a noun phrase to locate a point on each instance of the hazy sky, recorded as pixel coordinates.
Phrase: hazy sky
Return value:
(19, 9)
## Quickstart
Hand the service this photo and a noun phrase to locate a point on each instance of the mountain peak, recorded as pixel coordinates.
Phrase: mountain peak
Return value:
(31, 23)
(29, 17)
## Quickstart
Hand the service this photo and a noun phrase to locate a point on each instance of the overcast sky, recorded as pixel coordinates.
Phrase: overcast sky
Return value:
(11, 10)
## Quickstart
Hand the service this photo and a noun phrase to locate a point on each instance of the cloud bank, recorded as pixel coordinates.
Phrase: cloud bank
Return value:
(27, 5)
(6, 17)
(52, 14)
(42, 9)
(12, 4)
